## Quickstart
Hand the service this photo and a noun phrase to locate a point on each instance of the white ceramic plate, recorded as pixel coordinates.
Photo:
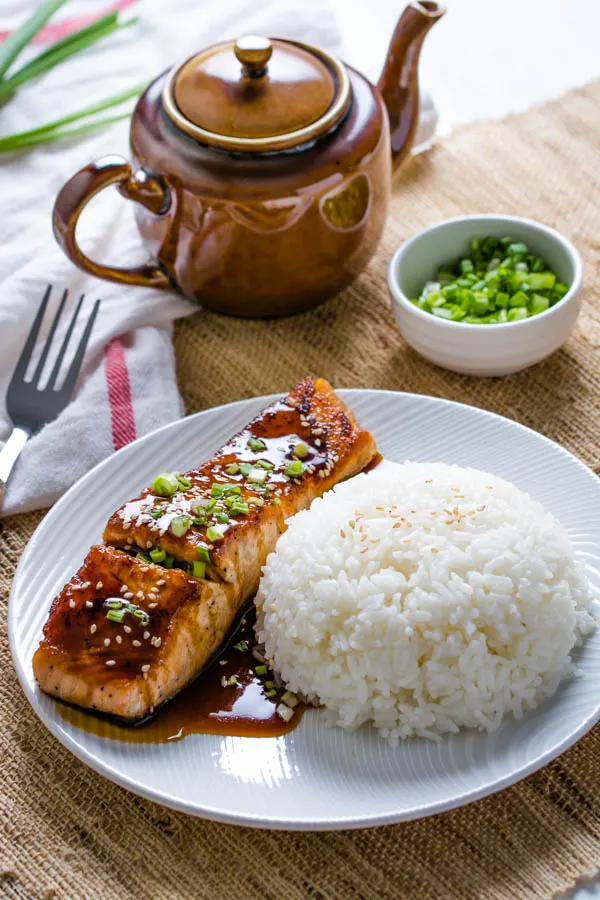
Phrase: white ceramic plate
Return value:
(314, 777)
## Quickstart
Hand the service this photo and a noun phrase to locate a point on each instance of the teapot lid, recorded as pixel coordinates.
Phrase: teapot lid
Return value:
(257, 94)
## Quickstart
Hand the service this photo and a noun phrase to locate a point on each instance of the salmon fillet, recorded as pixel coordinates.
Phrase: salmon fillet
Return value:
(145, 613)
(336, 448)
(124, 636)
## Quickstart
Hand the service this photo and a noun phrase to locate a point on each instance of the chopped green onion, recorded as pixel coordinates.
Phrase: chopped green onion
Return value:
(232, 469)
(239, 509)
(157, 555)
(264, 464)
(198, 569)
(269, 693)
(214, 534)
(261, 670)
(256, 444)
(157, 512)
(540, 281)
(256, 501)
(518, 299)
(199, 520)
(113, 603)
(294, 468)
(241, 646)
(538, 304)
(142, 616)
(270, 685)
(499, 276)
(144, 557)
(517, 249)
(275, 501)
(116, 615)
(517, 313)
(203, 553)
(168, 562)
(300, 450)
(166, 484)
(257, 476)
(284, 712)
(222, 517)
(180, 525)
(290, 699)
(184, 483)
(245, 469)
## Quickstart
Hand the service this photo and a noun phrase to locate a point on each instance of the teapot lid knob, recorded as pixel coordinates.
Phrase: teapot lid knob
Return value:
(254, 52)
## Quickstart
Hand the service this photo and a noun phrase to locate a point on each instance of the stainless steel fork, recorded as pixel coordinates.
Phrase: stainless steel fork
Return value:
(29, 406)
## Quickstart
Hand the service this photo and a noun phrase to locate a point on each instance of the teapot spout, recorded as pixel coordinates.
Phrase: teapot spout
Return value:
(398, 83)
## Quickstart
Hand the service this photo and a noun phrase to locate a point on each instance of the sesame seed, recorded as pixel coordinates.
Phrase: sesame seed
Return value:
(72, 604)
(160, 582)
(137, 643)
(127, 629)
(119, 639)
(151, 595)
(76, 587)
(89, 604)
(222, 662)
(317, 442)
(110, 662)
(145, 676)
(146, 668)
(148, 545)
(128, 595)
(93, 629)
(107, 642)
(123, 588)
(152, 605)
(99, 586)
(144, 568)
(126, 526)
(127, 547)
(146, 635)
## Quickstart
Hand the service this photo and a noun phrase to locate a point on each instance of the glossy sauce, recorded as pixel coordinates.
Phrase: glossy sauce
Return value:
(205, 706)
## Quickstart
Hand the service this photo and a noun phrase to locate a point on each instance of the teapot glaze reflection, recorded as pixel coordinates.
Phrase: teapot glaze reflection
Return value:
(261, 171)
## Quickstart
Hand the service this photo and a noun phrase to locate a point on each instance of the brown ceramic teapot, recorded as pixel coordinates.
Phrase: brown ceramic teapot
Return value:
(261, 171)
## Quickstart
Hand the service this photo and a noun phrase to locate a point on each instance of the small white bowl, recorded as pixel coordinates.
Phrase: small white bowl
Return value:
(482, 349)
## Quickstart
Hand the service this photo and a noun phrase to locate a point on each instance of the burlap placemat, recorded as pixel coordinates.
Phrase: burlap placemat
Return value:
(68, 833)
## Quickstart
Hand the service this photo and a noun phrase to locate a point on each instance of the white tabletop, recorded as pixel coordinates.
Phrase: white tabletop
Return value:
(485, 58)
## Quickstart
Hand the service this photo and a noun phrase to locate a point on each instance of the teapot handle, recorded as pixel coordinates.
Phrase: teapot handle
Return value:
(144, 188)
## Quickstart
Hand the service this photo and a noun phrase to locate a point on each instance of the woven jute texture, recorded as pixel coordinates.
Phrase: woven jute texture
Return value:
(65, 832)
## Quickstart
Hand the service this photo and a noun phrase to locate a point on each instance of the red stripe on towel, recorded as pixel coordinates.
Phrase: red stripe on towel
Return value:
(122, 419)
(58, 30)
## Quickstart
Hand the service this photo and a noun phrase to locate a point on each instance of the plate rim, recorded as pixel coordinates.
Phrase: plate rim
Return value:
(230, 817)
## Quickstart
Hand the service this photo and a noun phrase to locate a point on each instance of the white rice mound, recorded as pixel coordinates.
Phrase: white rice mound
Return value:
(423, 598)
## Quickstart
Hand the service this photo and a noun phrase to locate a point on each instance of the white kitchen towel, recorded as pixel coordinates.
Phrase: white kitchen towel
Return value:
(128, 385)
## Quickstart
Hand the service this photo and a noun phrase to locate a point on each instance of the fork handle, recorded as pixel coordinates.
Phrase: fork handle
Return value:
(143, 187)
(9, 455)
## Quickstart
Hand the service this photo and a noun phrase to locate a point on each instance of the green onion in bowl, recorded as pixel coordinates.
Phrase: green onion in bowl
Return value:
(500, 281)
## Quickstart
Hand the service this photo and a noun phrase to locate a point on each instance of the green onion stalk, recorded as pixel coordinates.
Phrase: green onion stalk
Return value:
(75, 124)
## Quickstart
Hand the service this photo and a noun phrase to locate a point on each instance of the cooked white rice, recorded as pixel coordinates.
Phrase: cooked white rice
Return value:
(423, 598)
